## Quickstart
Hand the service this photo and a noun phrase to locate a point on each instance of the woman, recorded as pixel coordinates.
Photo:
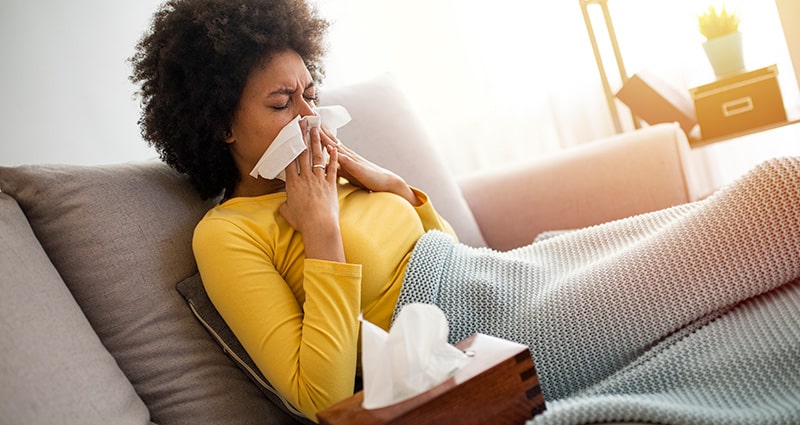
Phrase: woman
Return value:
(272, 254)
(291, 264)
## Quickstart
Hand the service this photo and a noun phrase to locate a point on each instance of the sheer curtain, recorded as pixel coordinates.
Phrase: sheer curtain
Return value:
(504, 81)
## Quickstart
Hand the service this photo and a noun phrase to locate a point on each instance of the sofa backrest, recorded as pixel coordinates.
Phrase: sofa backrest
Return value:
(386, 130)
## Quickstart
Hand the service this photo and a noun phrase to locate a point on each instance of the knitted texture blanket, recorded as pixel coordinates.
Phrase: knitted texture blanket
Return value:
(689, 315)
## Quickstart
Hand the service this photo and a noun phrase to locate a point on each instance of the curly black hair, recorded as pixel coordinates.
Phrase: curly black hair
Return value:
(192, 65)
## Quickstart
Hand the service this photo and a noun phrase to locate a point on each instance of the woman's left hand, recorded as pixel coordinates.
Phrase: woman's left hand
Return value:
(367, 175)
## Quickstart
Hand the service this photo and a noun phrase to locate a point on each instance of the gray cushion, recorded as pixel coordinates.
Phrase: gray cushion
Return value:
(386, 130)
(53, 367)
(195, 294)
(120, 236)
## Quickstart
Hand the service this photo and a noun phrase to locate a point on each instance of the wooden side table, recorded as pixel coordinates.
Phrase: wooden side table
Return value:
(696, 140)
(719, 161)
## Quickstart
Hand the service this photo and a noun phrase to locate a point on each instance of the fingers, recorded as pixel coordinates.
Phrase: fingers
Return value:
(318, 162)
(327, 138)
(312, 160)
(333, 164)
(322, 138)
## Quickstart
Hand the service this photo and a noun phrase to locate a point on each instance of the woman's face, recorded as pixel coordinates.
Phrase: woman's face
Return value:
(275, 93)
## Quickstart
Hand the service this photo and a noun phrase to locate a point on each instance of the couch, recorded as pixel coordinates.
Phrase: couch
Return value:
(94, 330)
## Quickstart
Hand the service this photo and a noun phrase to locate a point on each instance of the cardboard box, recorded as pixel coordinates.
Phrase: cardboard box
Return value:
(739, 103)
(655, 101)
(499, 386)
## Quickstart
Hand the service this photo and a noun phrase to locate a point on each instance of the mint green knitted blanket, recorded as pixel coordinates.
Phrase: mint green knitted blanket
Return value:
(689, 315)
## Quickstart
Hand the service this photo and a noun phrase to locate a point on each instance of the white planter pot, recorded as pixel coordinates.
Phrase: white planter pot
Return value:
(725, 54)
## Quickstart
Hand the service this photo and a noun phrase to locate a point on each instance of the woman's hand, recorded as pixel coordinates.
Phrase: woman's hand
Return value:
(365, 174)
(312, 203)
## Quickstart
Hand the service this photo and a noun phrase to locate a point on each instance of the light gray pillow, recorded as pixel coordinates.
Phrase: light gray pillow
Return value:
(53, 367)
(120, 236)
(386, 130)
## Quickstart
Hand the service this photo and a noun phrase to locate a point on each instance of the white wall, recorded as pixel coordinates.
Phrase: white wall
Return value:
(65, 96)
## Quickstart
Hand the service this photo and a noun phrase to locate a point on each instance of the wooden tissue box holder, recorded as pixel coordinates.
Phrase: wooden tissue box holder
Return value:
(498, 386)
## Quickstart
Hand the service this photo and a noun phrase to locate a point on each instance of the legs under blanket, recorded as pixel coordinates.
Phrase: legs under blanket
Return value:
(741, 368)
(625, 311)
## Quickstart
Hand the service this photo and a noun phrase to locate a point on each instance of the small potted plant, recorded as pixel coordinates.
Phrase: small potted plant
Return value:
(723, 45)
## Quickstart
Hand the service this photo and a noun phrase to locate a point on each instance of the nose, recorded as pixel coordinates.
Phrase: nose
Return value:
(305, 107)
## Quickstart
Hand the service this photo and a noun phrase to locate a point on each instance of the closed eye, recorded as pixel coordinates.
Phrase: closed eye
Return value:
(312, 100)
(309, 95)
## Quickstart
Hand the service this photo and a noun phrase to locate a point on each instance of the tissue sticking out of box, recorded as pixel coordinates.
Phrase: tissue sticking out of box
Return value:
(413, 357)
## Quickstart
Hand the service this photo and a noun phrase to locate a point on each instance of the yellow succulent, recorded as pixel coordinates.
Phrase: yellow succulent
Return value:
(715, 23)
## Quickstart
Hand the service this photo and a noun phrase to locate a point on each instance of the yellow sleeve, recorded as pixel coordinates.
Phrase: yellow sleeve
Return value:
(431, 220)
(306, 346)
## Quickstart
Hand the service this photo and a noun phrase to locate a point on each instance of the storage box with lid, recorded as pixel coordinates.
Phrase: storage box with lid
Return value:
(739, 103)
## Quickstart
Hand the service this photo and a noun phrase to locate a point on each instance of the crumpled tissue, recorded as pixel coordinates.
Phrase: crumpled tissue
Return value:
(413, 357)
(291, 142)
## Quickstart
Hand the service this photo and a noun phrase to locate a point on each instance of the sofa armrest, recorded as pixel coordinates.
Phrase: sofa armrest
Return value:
(615, 177)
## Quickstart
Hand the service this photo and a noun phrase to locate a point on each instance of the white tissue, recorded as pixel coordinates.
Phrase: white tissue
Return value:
(413, 357)
(334, 117)
(291, 142)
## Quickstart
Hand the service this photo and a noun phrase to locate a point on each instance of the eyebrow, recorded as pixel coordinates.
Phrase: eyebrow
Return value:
(290, 91)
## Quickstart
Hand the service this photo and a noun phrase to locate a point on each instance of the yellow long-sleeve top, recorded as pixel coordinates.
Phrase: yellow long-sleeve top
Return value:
(297, 317)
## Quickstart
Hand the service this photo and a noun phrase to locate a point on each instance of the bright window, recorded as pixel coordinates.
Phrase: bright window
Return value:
(508, 80)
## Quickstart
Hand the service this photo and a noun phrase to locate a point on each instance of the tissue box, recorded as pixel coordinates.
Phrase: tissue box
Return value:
(739, 103)
(499, 386)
